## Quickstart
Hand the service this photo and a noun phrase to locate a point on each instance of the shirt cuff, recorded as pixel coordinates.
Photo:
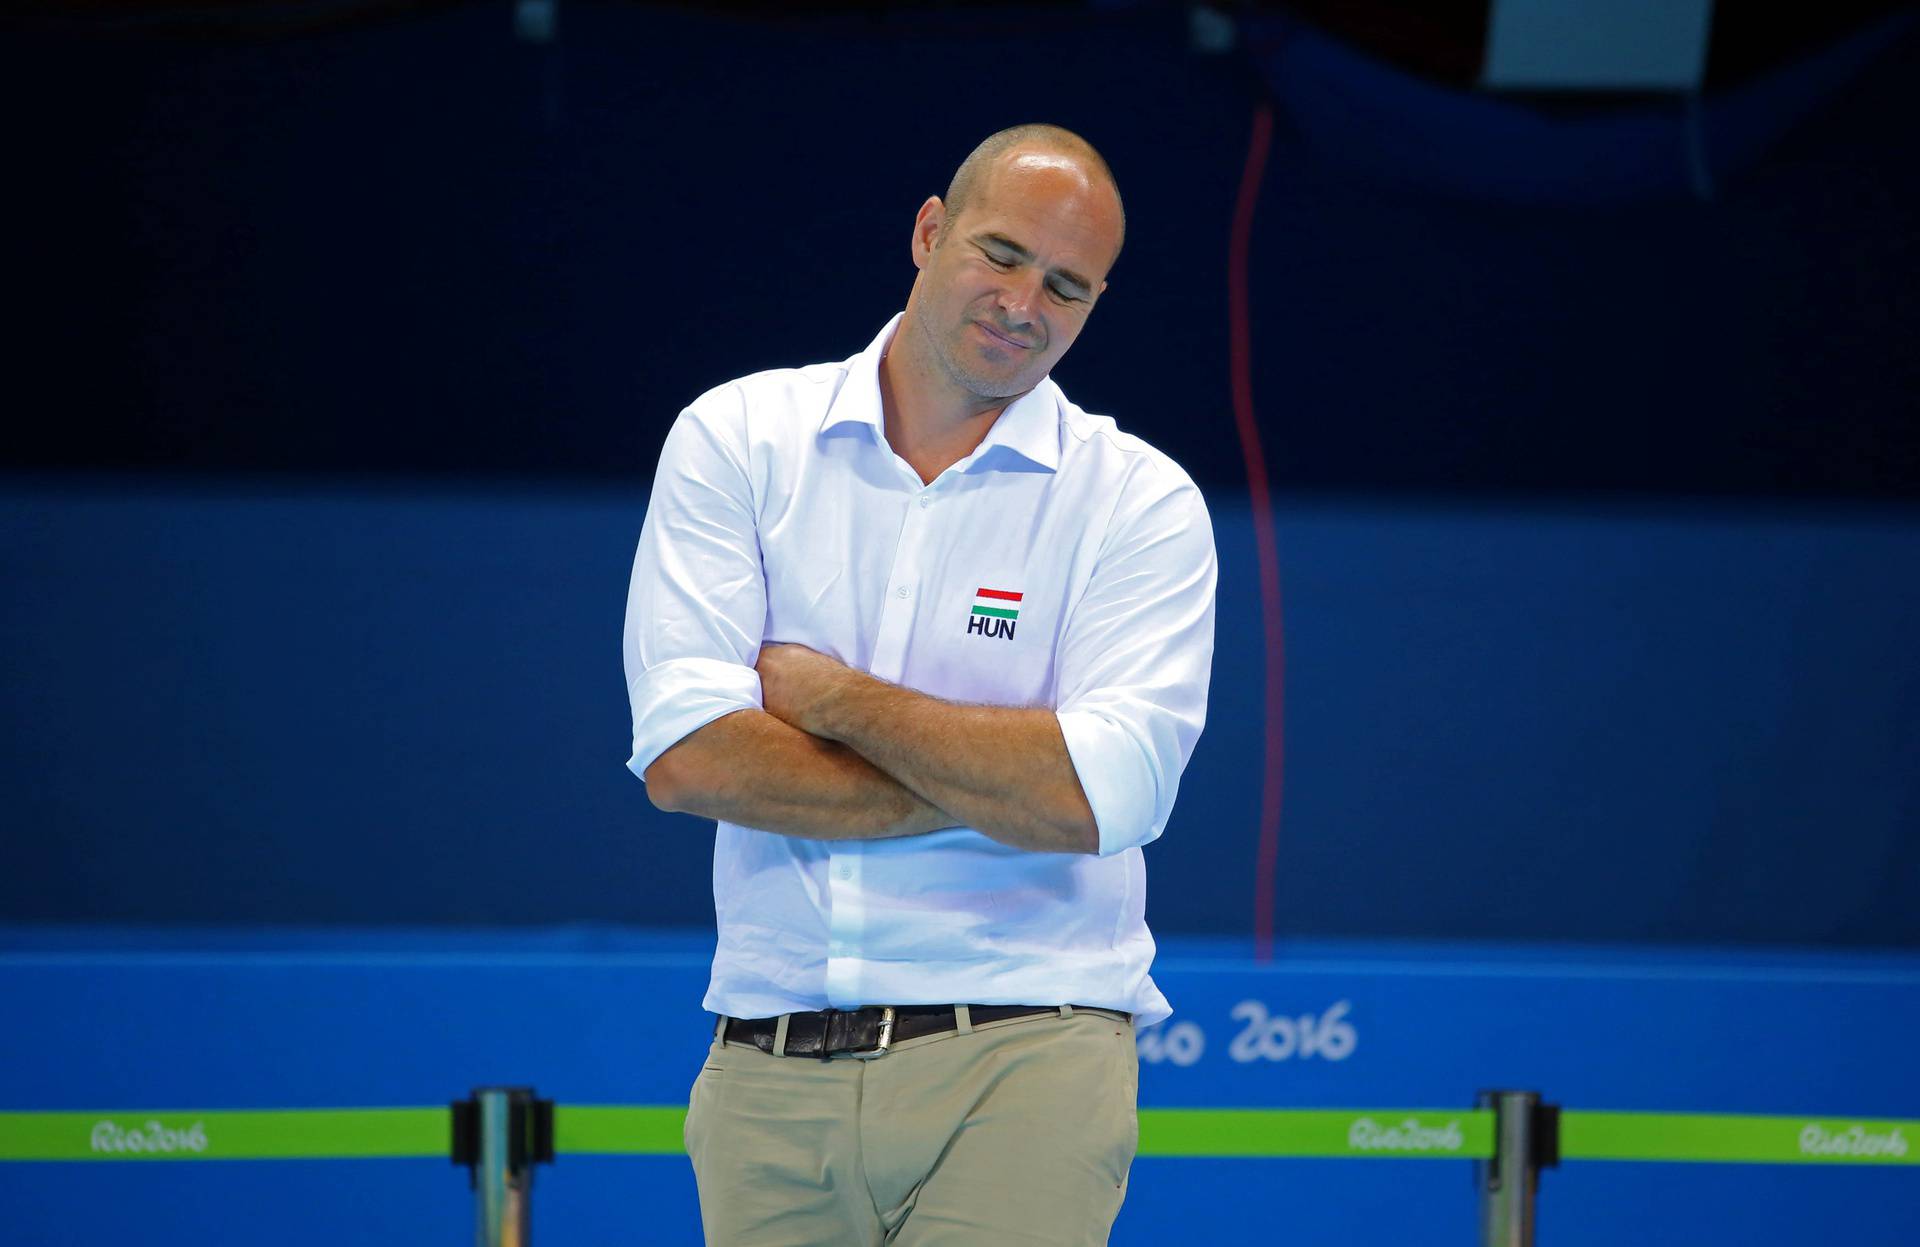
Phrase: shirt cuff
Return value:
(1118, 777)
(672, 700)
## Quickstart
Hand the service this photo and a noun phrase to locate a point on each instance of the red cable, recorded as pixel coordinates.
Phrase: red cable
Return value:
(1240, 346)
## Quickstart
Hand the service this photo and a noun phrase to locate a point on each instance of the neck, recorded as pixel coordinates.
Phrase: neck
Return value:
(931, 421)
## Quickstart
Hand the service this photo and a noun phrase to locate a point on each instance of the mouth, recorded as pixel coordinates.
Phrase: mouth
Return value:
(1002, 338)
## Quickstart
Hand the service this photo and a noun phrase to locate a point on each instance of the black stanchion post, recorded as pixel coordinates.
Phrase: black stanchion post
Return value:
(500, 1134)
(1526, 1140)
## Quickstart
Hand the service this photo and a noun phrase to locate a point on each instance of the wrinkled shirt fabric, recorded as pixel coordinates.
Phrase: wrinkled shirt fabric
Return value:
(780, 513)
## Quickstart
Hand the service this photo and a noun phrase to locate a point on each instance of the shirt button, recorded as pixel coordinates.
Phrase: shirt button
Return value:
(925, 501)
(903, 592)
(843, 872)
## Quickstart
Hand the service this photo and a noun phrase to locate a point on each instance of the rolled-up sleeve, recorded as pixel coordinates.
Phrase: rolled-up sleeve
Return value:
(1136, 659)
(697, 602)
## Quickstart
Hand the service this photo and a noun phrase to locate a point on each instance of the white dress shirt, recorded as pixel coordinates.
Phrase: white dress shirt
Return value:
(1062, 564)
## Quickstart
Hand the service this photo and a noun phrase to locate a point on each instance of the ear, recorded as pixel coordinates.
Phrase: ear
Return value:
(927, 225)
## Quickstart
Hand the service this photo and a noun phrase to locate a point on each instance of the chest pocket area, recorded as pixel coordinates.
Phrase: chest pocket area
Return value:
(988, 635)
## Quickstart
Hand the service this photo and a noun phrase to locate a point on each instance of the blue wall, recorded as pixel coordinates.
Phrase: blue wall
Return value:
(387, 319)
(421, 245)
(267, 1023)
(344, 272)
(334, 705)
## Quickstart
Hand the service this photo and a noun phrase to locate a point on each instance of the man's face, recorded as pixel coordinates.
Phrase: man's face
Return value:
(1006, 286)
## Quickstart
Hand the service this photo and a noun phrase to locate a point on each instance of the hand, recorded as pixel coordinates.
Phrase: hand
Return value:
(796, 684)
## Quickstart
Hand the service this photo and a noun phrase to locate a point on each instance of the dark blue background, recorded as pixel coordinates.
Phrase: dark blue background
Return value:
(421, 245)
(340, 344)
(341, 358)
(314, 705)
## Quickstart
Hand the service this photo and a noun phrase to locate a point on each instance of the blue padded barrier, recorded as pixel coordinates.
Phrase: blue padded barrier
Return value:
(598, 1017)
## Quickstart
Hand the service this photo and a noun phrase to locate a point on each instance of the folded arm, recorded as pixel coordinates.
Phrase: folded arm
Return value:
(751, 769)
(1003, 771)
(806, 746)
(695, 609)
(1097, 773)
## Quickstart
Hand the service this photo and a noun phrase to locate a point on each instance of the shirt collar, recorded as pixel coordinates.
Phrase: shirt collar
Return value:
(1029, 427)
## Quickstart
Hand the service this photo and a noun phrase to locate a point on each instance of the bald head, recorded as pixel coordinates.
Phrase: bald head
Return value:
(1035, 139)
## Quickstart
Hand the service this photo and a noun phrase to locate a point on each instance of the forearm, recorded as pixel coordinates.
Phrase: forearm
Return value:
(1001, 770)
(753, 770)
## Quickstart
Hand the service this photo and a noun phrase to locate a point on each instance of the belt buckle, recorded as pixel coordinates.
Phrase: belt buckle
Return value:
(880, 1048)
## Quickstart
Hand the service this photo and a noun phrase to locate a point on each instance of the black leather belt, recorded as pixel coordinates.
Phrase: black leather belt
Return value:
(867, 1032)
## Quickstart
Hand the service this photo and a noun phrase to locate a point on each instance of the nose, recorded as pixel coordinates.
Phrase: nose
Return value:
(1020, 295)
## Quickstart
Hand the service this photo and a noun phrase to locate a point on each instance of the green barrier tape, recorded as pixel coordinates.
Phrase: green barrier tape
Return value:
(651, 1130)
(188, 1134)
(1394, 1133)
(1737, 1139)
(655, 1130)
(618, 1130)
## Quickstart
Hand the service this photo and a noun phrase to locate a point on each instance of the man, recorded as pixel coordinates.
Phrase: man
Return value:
(932, 645)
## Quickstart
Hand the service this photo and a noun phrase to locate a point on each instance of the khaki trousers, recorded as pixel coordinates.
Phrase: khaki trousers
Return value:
(1014, 1132)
